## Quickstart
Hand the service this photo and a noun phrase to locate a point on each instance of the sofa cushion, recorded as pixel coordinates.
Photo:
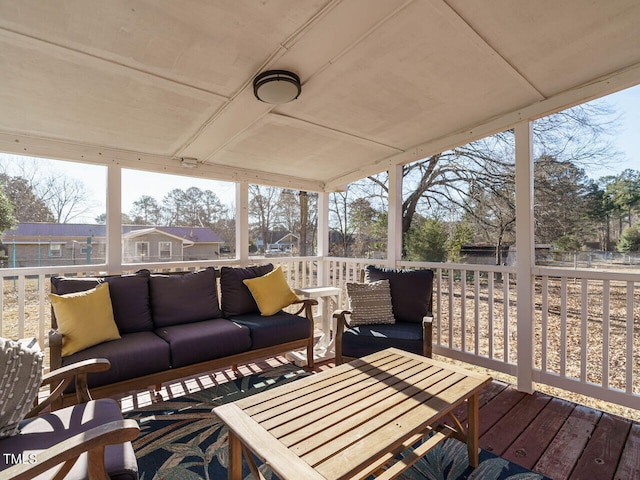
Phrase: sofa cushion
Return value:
(201, 341)
(365, 339)
(411, 291)
(134, 355)
(235, 296)
(271, 292)
(44, 431)
(84, 318)
(282, 327)
(129, 297)
(184, 298)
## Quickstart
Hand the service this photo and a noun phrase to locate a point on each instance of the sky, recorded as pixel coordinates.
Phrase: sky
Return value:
(136, 183)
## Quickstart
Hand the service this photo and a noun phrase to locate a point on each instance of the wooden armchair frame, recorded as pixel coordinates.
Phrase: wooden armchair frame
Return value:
(93, 441)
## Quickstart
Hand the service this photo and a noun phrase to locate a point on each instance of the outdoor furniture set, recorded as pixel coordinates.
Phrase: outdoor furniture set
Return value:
(151, 328)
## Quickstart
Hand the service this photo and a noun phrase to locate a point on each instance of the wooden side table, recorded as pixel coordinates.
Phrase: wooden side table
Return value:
(325, 348)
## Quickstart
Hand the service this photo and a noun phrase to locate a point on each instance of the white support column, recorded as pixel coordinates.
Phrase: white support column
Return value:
(323, 237)
(525, 251)
(114, 219)
(394, 226)
(242, 222)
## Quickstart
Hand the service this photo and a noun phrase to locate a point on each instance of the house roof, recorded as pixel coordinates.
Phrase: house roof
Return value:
(191, 234)
(147, 231)
(384, 82)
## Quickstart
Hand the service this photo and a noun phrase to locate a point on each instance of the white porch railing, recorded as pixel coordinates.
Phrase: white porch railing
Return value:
(586, 323)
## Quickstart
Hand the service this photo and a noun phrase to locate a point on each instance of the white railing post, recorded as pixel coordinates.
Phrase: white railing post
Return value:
(242, 222)
(394, 225)
(323, 237)
(114, 219)
(525, 249)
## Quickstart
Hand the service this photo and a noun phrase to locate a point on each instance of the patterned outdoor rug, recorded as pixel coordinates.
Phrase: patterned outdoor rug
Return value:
(180, 439)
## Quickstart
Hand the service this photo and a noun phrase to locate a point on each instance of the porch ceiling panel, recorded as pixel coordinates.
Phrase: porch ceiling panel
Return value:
(62, 94)
(420, 71)
(384, 81)
(558, 45)
(291, 147)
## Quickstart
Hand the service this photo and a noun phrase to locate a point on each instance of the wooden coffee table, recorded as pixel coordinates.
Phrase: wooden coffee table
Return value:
(353, 420)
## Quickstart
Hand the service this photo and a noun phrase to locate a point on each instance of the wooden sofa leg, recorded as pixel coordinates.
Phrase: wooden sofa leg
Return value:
(310, 346)
(158, 387)
(234, 369)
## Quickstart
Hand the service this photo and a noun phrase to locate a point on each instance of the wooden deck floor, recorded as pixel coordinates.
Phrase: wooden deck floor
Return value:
(556, 437)
(545, 434)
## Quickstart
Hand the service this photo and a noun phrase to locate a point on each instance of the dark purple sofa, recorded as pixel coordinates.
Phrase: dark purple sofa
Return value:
(175, 325)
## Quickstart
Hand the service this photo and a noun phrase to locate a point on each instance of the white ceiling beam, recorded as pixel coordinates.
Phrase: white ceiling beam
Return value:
(60, 150)
(621, 80)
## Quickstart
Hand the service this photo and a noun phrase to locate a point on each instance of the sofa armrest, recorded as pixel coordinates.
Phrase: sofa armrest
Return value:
(92, 441)
(342, 323)
(59, 379)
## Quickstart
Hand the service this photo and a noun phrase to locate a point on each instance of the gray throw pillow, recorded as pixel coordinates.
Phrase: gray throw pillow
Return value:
(20, 380)
(370, 303)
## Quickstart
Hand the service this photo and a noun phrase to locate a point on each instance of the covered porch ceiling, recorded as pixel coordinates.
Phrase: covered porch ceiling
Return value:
(384, 82)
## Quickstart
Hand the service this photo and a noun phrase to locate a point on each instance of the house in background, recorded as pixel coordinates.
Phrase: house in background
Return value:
(40, 244)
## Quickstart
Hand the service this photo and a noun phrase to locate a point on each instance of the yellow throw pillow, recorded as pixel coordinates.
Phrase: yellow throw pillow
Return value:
(84, 318)
(271, 292)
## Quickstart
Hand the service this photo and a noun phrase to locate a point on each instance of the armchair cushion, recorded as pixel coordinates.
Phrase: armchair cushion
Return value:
(45, 431)
(187, 298)
(271, 292)
(370, 303)
(236, 297)
(363, 340)
(22, 373)
(411, 291)
(84, 318)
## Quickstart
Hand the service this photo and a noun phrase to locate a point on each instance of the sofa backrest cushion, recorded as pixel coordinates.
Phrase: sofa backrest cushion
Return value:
(411, 291)
(129, 297)
(236, 298)
(184, 298)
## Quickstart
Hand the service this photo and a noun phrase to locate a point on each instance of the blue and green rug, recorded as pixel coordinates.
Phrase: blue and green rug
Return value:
(180, 439)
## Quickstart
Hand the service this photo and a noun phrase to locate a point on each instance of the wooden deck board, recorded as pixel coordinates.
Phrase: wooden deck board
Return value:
(531, 444)
(504, 432)
(565, 449)
(629, 466)
(601, 456)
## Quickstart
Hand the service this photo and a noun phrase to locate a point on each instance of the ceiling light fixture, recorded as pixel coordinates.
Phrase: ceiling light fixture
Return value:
(189, 162)
(276, 86)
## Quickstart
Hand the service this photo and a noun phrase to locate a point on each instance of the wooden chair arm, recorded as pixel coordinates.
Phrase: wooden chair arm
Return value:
(55, 349)
(427, 336)
(342, 323)
(59, 380)
(67, 452)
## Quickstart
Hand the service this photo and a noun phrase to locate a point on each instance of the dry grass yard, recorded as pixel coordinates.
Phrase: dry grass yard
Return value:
(491, 326)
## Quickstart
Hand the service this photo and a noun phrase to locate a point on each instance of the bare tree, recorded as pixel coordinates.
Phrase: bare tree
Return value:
(67, 197)
(262, 209)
